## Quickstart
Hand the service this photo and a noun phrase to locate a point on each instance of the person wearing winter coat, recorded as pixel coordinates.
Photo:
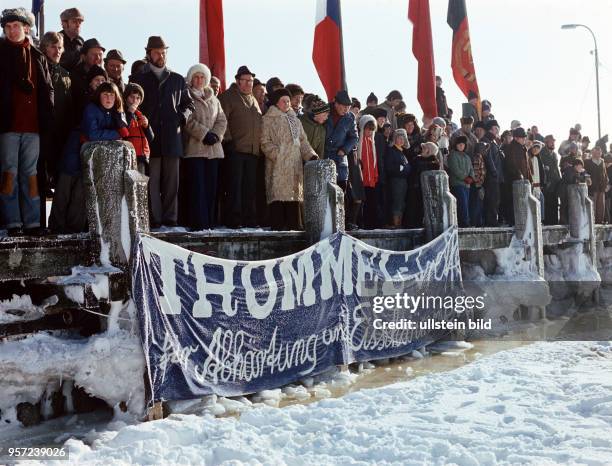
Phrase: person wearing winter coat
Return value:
(313, 121)
(425, 160)
(368, 159)
(202, 138)
(140, 133)
(441, 104)
(461, 177)
(398, 171)
(551, 190)
(167, 105)
(242, 140)
(390, 105)
(26, 109)
(516, 167)
(341, 136)
(466, 130)
(538, 174)
(477, 191)
(596, 168)
(285, 146)
(103, 120)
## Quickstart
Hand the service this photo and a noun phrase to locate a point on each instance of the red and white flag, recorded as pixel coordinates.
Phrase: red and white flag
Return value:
(327, 49)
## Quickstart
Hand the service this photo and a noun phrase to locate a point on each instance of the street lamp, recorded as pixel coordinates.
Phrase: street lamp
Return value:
(574, 26)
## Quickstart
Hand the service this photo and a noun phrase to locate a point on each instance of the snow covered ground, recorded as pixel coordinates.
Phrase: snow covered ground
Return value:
(546, 403)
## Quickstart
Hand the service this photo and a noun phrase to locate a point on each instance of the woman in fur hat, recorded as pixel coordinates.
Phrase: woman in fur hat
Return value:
(398, 171)
(285, 146)
(202, 138)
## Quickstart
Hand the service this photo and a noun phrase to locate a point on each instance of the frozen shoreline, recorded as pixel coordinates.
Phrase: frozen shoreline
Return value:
(541, 404)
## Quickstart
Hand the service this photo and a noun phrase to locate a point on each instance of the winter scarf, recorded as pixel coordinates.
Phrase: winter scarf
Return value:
(22, 65)
(294, 127)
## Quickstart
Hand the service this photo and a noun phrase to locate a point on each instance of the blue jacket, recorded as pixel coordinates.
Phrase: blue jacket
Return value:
(396, 163)
(97, 124)
(167, 104)
(342, 136)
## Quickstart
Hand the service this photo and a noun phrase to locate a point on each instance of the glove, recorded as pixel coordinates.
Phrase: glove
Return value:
(468, 180)
(210, 139)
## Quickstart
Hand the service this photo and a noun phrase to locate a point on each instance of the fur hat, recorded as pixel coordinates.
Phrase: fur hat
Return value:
(460, 140)
(479, 124)
(429, 148)
(400, 132)
(199, 68)
(277, 94)
(16, 14)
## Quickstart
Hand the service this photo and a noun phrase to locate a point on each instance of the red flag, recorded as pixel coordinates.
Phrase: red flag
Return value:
(462, 61)
(422, 48)
(212, 43)
(327, 49)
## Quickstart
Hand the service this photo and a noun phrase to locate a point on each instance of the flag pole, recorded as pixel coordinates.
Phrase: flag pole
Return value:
(344, 86)
(41, 21)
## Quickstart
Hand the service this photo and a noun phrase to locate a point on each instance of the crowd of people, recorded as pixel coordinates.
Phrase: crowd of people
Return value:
(236, 158)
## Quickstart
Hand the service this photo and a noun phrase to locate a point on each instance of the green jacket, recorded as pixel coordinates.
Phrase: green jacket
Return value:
(459, 167)
(315, 134)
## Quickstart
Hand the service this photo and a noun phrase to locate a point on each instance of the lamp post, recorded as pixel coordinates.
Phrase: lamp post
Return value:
(574, 26)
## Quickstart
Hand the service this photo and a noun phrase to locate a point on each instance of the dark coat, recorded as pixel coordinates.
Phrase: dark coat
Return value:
(396, 164)
(381, 148)
(517, 163)
(167, 104)
(441, 104)
(63, 117)
(81, 94)
(419, 165)
(599, 176)
(551, 165)
(72, 51)
(44, 88)
(494, 161)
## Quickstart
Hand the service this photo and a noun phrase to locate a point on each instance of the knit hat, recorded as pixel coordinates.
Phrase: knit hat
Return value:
(15, 14)
(441, 122)
(94, 71)
(355, 103)
(371, 98)
(277, 94)
(318, 106)
(342, 98)
(537, 143)
(133, 88)
(199, 68)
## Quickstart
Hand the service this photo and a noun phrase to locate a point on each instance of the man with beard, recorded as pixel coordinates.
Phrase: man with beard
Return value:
(167, 104)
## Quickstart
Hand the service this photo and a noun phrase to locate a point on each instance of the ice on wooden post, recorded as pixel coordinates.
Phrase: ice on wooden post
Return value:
(323, 200)
(440, 206)
(116, 198)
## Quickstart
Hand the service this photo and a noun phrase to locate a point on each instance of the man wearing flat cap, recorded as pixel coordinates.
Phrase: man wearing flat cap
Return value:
(167, 104)
(242, 139)
(517, 165)
(26, 107)
(341, 136)
(71, 20)
(114, 64)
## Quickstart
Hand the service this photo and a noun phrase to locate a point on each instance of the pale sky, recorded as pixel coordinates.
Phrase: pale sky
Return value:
(528, 67)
